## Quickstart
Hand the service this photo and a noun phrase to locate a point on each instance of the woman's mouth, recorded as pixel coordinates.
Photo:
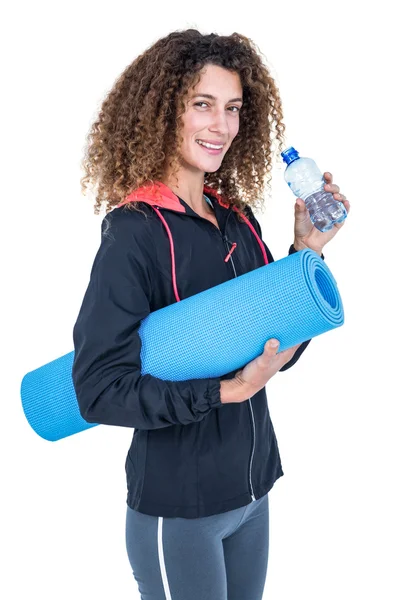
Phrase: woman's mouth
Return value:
(210, 148)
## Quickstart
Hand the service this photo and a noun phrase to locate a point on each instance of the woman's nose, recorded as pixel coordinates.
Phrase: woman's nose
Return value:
(219, 122)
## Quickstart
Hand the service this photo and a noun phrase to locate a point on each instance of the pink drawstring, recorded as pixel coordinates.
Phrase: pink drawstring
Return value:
(260, 243)
(171, 242)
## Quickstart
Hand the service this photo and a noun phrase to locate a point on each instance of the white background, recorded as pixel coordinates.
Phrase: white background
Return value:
(335, 514)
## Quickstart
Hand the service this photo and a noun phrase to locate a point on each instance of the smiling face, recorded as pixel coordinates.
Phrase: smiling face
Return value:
(212, 116)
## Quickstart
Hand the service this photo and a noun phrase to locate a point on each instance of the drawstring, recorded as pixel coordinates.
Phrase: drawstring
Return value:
(259, 240)
(171, 243)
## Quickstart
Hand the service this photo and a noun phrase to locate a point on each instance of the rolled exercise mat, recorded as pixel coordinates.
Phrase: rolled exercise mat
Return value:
(207, 335)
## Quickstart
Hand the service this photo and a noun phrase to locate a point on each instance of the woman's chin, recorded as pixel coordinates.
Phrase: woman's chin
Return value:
(205, 166)
(210, 166)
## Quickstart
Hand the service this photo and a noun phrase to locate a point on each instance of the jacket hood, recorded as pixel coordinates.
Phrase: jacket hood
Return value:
(160, 195)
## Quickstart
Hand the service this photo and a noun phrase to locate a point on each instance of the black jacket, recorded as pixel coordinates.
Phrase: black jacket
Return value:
(191, 456)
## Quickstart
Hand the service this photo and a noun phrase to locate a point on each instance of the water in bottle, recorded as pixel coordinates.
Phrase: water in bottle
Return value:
(307, 182)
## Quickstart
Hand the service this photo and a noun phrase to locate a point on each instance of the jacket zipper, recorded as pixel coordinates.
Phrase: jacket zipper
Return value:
(227, 242)
(249, 399)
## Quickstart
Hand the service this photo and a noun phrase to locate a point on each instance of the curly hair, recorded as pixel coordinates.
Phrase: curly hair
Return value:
(136, 135)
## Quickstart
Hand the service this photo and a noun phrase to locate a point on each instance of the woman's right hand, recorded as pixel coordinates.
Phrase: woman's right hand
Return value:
(254, 376)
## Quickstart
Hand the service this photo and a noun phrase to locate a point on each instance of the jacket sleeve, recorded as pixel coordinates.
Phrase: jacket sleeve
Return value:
(106, 369)
(292, 250)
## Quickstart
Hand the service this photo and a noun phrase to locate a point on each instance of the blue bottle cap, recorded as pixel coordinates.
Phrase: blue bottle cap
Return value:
(289, 155)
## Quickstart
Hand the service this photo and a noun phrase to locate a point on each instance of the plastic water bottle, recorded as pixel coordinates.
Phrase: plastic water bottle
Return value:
(307, 182)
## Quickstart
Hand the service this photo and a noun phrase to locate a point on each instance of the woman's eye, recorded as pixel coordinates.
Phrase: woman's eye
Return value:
(236, 107)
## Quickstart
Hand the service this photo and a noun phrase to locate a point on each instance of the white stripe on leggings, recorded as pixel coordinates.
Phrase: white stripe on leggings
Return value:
(161, 560)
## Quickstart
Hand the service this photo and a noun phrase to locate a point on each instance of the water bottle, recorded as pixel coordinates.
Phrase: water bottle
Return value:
(307, 182)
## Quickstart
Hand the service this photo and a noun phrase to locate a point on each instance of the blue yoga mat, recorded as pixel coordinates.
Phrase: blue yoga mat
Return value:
(207, 335)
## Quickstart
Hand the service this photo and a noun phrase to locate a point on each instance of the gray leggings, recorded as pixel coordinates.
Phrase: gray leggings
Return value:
(220, 557)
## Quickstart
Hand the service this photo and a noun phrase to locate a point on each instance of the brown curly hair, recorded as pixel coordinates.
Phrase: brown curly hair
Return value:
(136, 134)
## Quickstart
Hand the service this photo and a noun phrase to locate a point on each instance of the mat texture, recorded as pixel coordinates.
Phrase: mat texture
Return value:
(207, 335)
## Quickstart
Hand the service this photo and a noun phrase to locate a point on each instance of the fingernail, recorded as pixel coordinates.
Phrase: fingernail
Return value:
(274, 344)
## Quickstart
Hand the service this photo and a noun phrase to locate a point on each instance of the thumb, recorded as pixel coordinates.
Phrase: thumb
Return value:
(300, 204)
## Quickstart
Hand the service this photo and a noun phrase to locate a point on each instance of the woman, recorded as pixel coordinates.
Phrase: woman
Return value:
(180, 154)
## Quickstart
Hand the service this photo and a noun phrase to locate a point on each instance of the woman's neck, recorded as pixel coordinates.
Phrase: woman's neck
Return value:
(190, 189)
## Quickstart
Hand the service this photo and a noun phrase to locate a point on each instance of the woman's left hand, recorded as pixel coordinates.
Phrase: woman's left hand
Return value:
(305, 234)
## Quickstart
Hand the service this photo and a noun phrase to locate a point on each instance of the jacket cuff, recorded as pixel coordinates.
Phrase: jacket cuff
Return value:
(292, 250)
(213, 393)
